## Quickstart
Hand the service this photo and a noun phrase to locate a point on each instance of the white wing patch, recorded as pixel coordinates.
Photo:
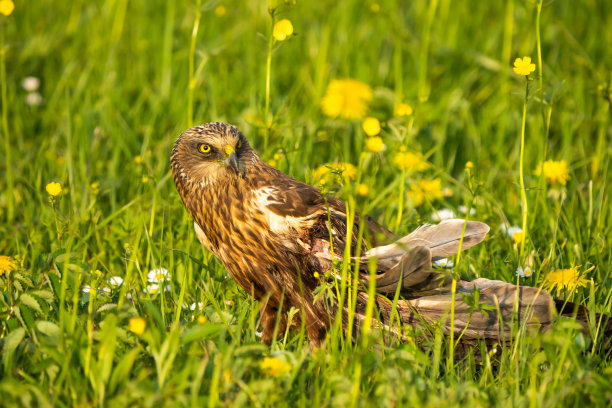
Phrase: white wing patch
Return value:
(278, 224)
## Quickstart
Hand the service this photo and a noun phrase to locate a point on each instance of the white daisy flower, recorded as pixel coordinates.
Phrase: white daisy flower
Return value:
(86, 289)
(515, 234)
(523, 273)
(33, 99)
(444, 263)
(116, 281)
(152, 289)
(443, 214)
(30, 83)
(158, 275)
(463, 209)
(197, 306)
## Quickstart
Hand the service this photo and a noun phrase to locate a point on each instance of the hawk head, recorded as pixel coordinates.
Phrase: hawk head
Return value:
(210, 153)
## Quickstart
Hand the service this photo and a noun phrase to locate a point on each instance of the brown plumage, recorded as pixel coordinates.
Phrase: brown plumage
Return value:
(272, 234)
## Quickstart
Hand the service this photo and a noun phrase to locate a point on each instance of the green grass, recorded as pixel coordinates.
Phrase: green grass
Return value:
(115, 78)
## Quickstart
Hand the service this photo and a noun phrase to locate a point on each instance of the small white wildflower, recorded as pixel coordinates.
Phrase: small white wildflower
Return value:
(167, 288)
(463, 209)
(198, 305)
(86, 289)
(30, 83)
(229, 302)
(157, 275)
(443, 214)
(152, 288)
(105, 290)
(515, 234)
(523, 273)
(33, 99)
(512, 230)
(444, 263)
(116, 281)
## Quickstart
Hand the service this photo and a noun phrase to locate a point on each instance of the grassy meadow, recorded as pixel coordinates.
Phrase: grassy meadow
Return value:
(108, 299)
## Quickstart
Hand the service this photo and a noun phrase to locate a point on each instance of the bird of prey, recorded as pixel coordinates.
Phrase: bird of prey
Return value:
(277, 237)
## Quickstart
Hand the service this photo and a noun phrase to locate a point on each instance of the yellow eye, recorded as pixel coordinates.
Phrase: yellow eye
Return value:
(239, 143)
(204, 148)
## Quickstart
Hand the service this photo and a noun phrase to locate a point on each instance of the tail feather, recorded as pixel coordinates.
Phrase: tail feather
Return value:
(442, 239)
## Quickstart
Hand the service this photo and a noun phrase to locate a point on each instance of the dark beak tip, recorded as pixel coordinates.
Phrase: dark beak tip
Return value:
(232, 161)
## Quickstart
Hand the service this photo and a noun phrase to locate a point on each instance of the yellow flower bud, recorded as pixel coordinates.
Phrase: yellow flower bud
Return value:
(7, 7)
(282, 30)
(54, 188)
(375, 144)
(371, 126)
(138, 325)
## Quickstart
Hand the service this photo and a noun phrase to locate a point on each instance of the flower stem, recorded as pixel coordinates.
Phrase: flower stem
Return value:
(192, 81)
(268, 75)
(452, 345)
(57, 227)
(539, 45)
(521, 170)
(5, 128)
(403, 182)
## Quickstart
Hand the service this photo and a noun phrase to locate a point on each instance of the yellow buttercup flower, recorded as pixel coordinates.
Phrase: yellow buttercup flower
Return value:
(220, 11)
(363, 189)
(375, 144)
(426, 190)
(274, 366)
(282, 30)
(138, 325)
(371, 126)
(469, 165)
(7, 7)
(410, 161)
(138, 159)
(201, 319)
(346, 98)
(523, 66)
(567, 279)
(54, 188)
(7, 264)
(554, 171)
(327, 174)
(403, 109)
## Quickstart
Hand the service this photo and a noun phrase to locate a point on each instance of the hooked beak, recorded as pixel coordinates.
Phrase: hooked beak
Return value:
(230, 157)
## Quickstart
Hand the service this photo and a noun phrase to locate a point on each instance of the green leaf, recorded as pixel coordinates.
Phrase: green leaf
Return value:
(25, 316)
(18, 285)
(48, 328)
(28, 300)
(54, 278)
(123, 368)
(11, 342)
(201, 331)
(47, 295)
(23, 279)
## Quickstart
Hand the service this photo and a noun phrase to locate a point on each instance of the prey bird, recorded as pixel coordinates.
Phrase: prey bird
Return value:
(277, 237)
